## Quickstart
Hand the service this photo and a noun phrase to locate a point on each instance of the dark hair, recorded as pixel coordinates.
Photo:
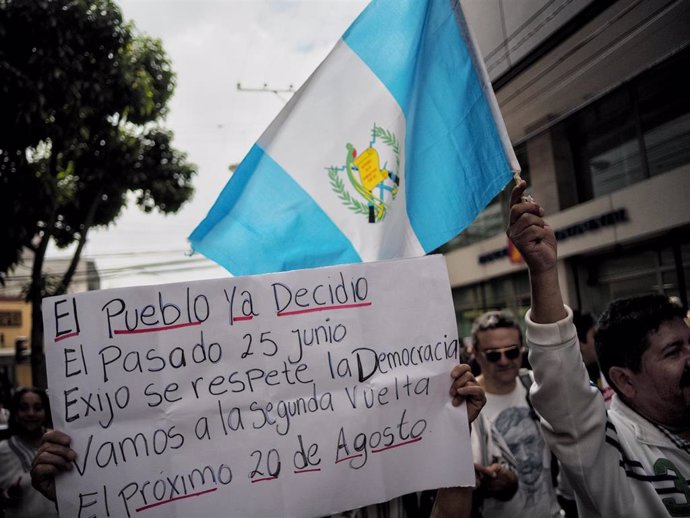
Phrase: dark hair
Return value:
(583, 323)
(494, 320)
(624, 328)
(13, 428)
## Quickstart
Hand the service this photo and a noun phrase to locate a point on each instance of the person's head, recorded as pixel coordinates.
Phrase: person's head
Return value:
(585, 326)
(497, 345)
(643, 346)
(524, 441)
(29, 412)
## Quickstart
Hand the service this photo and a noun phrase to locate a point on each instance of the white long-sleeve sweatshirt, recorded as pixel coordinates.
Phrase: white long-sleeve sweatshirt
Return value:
(619, 464)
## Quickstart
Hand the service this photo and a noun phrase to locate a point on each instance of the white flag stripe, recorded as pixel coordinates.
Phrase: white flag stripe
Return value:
(340, 104)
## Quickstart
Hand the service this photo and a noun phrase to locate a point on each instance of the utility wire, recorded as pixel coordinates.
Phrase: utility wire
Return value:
(577, 69)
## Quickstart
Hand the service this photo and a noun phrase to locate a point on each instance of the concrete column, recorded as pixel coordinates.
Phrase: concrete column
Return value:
(551, 170)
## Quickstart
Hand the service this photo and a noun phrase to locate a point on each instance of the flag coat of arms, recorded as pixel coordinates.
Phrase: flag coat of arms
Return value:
(390, 149)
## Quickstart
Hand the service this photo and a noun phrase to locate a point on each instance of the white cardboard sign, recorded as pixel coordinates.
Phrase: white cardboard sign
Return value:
(292, 394)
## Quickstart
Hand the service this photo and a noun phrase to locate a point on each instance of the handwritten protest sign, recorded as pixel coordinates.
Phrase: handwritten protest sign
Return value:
(293, 394)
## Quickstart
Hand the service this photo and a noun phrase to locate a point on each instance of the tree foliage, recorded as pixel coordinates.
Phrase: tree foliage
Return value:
(82, 97)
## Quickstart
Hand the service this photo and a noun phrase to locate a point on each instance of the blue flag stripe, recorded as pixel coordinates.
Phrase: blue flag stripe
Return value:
(452, 139)
(236, 225)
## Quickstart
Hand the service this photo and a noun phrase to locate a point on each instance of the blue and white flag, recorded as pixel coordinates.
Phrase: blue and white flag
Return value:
(390, 149)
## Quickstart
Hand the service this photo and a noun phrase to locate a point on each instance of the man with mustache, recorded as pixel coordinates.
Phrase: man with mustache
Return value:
(633, 460)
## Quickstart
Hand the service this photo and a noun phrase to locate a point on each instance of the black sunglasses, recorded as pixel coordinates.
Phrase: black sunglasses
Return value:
(494, 355)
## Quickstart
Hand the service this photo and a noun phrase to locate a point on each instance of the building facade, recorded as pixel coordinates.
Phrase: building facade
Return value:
(596, 102)
(15, 313)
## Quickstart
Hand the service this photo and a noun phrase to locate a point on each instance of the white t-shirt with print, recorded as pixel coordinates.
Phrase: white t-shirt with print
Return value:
(536, 496)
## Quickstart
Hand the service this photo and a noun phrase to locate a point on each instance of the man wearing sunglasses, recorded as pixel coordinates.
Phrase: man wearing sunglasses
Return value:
(633, 460)
(498, 349)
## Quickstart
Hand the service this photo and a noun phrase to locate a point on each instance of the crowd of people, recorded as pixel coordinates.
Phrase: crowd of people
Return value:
(599, 426)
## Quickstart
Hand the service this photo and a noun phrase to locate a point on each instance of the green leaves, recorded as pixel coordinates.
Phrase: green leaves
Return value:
(81, 97)
(339, 187)
(389, 139)
(57, 54)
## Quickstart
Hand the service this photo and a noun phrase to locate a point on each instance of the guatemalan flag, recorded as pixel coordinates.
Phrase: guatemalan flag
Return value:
(390, 149)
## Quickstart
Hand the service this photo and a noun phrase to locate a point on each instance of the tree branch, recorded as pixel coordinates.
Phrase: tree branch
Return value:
(76, 257)
(36, 288)
(38, 370)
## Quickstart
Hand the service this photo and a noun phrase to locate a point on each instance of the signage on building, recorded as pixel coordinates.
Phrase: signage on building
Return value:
(576, 229)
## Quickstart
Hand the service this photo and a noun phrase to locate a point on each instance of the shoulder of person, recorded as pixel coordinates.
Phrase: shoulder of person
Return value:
(526, 377)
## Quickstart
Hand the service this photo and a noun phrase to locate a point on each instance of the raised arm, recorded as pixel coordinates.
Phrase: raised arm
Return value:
(572, 411)
(536, 241)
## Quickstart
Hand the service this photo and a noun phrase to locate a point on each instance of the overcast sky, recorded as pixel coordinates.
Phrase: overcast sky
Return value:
(213, 45)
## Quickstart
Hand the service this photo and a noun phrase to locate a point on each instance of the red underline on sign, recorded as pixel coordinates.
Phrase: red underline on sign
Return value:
(349, 458)
(240, 319)
(264, 479)
(64, 337)
(306, 470)
(154, 329)
(176, 498)
(322, 308)
(396, 445)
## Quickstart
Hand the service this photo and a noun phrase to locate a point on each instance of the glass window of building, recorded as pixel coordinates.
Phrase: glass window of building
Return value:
(508, 292)
(664, 105)
(659, 266)
(639, 130)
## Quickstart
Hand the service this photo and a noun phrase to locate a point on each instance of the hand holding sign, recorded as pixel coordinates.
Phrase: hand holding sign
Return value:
(465, 389)
(53, 456)
(208, 396)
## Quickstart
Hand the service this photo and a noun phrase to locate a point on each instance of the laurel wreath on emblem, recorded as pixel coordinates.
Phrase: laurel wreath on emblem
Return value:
(374, 207)
(339, 188)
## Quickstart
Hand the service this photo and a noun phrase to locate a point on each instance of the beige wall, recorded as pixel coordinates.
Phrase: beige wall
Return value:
(653, 206)
(22, 372)
(10, 333)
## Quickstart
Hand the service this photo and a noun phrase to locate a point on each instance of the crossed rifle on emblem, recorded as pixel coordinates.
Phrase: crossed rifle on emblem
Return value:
(371, 177)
